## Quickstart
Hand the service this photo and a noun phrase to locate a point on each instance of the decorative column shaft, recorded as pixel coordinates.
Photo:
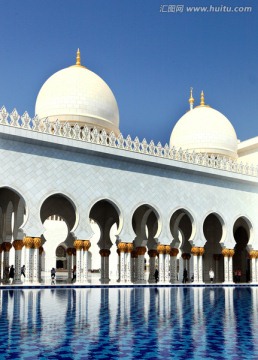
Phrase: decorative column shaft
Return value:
(6, 246)
(104, 278)
(252, 255)
(228, 269)
(86, 246)
(18, 245)
(161, 249)
(69, 253)
(173, 265)
(28, 242)
(195, 252)
(129, 262)
(256, 267)
(37, 245)
(140, 265)
(200, 267)
(167, 263)
(78, 244)
(41, 251)
(122, 247)
(152, 261)
(134, 258)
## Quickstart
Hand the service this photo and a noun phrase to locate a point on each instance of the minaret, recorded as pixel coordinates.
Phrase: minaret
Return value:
(191, 99)
(202, 103)
(78, 58)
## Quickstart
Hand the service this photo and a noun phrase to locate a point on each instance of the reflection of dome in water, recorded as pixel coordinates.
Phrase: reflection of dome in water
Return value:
(77, 95)
(205, 130)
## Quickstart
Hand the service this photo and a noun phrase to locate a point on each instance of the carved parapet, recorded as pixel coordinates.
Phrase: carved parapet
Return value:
(141, 250)
(78, 244)
(152, 253)
(41, 250)
(6, 246)
(174, 252)
(161, 249)
(37, 242)
(104, 252)
(69, 251)
(122, 247)
(18, 244)
(28, 242)
(86, 245)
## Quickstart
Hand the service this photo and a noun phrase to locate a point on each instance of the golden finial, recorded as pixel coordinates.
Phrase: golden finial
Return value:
(78, 57)
(202, 99)
(191, 99)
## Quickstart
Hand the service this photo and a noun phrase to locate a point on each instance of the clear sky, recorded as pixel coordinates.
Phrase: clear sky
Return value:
(149, 58)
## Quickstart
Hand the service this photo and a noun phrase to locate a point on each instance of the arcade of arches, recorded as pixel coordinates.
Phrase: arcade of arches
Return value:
(114, 259)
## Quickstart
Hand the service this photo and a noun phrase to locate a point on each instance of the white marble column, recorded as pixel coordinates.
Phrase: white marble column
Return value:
(78, 244)
(18, 245)
(166, 263)
(228, 265)
(1, 262)
(69, 253)
(104, 278)
(134, 258)
(129, 263)
(37, 244)
(86, 246)
(253, 269)
(200, 265)
(29, 244)
(152, 264)
(161, 249)
(122, 247)
(195, 253)
(173, 265)
(6, 248)
(140, 265)
(256, 267)
(41, 251)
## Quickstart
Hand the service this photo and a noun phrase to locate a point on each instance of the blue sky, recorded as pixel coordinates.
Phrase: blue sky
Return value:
(148, 58)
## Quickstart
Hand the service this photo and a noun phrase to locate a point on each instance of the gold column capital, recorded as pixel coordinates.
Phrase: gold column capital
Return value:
(104, 252)
(28, 242)
(161, 249)
(37, 242)
(86, 245)
(18, 244)
(174, 252)
(152, 253)
(78, 244)
(122, 247)
(69, 251)
(228, 252)
(141, 250)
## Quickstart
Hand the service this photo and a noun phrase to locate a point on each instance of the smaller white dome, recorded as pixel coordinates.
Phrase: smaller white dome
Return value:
(205, 130)
(78, 95)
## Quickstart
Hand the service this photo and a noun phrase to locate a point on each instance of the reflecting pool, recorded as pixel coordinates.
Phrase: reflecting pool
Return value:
(131, 323)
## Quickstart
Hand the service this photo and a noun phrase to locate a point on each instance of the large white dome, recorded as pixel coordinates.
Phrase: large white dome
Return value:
(77, 95)
(205, 130)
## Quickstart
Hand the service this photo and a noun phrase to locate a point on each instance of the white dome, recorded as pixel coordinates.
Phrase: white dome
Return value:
(205, 130)
(77, 95)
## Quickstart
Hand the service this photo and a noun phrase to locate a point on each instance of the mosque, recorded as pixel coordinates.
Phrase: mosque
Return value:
(78, 196)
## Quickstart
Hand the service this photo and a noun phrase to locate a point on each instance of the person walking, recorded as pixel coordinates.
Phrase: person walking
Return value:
(211, 275)
(185, 276)
(11, 273)
(156, 275)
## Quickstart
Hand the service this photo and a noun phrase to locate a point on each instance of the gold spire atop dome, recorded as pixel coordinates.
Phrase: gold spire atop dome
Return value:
(191, 99)
(78, 57)
(202, 103)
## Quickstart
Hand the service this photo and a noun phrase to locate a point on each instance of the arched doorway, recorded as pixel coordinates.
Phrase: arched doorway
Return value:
(145, 223)
(181, 227)
(105, 214)
(213, 227)
(241, 262)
